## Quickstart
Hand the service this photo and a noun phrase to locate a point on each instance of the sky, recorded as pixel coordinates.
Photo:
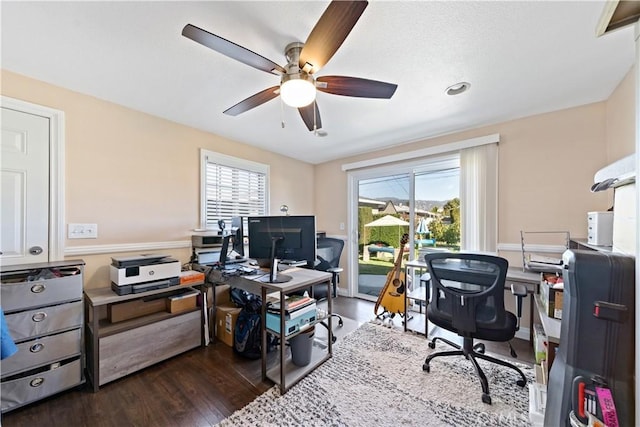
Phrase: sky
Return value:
(440, 185)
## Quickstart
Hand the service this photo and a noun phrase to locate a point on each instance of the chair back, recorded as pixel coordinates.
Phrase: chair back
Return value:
(328, 253)
(468, 290)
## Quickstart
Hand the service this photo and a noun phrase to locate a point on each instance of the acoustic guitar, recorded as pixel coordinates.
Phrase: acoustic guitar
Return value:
(392, 296)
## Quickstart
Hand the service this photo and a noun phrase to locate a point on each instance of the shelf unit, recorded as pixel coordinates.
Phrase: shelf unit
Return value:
(43, 309)
(551, 328)
(118, 349)
(284, 373)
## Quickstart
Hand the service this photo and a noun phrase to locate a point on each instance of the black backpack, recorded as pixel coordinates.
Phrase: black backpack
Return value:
(247, 339)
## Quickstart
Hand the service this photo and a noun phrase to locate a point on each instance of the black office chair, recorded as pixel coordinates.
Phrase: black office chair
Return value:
(468, 299)
(328, 255)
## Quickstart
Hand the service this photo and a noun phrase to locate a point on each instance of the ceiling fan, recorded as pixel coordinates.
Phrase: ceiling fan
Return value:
(298, 83)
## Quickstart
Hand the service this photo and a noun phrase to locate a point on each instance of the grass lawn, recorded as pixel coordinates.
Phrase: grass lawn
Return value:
(374, 267)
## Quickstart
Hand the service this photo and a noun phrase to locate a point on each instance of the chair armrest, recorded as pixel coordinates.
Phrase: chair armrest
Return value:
(335, 270)
(520, 292)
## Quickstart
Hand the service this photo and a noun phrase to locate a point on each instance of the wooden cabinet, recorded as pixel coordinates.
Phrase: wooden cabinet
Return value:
(43, 309)
(121, 348)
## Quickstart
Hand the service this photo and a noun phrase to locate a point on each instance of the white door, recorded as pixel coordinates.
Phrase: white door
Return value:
(25, 188)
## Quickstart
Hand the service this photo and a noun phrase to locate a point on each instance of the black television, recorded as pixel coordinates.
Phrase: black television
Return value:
(294, 238)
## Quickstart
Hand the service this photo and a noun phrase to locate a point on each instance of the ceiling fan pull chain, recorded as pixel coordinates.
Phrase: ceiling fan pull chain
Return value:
(315, 114)
(281, 113)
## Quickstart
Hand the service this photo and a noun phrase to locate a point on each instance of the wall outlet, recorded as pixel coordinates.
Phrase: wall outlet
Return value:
(342, 226)
(82, 231)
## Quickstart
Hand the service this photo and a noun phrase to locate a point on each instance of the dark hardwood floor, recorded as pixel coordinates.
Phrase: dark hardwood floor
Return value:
(198, 388)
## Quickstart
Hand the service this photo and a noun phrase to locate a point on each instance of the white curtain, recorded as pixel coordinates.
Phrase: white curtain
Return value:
(479, 198)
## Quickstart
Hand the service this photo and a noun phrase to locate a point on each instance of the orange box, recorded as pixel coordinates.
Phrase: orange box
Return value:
(191, 277)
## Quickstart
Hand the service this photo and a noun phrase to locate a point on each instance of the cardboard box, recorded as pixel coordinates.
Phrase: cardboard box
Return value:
(548, 297)
(540, 344)
(182, 300)
(226, 317)
(135, 308)
(223, 295)
(557, 306)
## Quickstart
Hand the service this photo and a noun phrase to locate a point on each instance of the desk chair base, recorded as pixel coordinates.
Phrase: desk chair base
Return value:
(340, 324)
(471, 352)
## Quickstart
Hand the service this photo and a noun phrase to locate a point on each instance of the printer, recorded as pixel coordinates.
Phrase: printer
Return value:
(143, 273)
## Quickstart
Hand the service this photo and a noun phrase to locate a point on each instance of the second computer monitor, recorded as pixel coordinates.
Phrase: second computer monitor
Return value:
(294, 236)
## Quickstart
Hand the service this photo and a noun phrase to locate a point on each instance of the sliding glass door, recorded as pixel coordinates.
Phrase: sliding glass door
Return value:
(383, 218)
(422, 201)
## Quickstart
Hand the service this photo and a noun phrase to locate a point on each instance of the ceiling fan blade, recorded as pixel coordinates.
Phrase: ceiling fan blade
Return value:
(307, 113)
(231, 49)
(253, 101)
(330, 31)
(355, 86)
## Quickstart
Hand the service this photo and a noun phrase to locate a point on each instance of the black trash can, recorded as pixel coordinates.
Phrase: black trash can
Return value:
(301, 346)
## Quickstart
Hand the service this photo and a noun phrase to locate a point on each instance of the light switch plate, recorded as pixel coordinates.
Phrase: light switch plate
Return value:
(82, 231)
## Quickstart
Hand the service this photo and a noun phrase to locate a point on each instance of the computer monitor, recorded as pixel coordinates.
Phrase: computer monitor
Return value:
(237, 233)
(295, 238)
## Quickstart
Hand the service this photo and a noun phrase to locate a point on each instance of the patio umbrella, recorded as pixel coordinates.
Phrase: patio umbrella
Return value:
(388, 221)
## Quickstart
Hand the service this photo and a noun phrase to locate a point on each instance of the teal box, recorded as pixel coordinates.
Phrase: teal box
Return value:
(291, 325)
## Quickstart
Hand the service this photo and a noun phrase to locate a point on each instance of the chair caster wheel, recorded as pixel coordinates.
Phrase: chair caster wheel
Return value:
(426, 367)
(521, 383)
(333, 339)
(479, 348)
(340, 322)
(432, 344)
(486, 398)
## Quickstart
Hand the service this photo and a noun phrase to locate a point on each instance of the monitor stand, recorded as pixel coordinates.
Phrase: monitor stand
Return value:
(273, 276)
(279, 278)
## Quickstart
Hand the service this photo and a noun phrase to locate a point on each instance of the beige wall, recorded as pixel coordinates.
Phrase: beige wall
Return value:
(137, 175)
(620, 119)
(546, 168)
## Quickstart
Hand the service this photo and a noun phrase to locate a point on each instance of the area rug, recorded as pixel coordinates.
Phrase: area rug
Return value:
(375, 378)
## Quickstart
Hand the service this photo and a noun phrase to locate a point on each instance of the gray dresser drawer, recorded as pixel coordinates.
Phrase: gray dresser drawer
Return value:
(40, 351)
(20, 391)
(17, 293)
(45, 320)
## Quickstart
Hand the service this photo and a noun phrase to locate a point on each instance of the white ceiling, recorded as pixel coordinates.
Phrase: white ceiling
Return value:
(521, 58)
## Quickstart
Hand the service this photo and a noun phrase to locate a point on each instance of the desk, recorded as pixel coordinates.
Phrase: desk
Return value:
(531, 281)
(286, 374)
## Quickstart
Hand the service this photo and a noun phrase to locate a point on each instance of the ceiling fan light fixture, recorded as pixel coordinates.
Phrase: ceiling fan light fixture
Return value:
(458, 88)
(297, 90)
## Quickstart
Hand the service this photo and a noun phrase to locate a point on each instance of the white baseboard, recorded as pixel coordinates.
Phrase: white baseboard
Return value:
(523, 333)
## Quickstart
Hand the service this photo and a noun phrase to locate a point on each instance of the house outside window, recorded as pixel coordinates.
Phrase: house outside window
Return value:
(231, 187)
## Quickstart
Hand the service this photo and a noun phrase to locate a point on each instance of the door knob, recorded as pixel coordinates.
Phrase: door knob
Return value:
(35, 250)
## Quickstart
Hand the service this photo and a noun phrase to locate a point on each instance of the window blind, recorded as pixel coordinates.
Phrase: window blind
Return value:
(232, 189)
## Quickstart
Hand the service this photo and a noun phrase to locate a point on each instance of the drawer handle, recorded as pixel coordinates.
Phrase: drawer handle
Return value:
(39, 317)
(38, 288)
(37, 347)
(36, 382)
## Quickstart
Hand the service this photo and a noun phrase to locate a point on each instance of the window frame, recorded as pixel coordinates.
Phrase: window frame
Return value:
(230, 162)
